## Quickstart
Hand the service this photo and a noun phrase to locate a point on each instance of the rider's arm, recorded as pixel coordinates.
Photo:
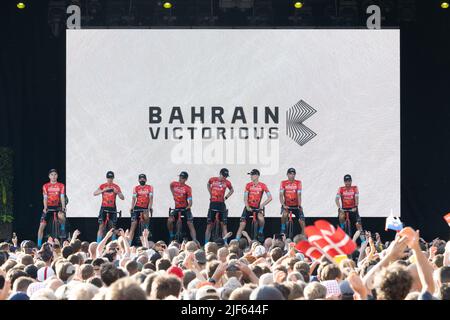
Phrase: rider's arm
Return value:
(208, 186)
(120, 194)
(299, 195)
(150, 200)
(269, 197)
(246, 199)
(44, 198)
(338, 196)
(133, 198)
(63, 198)
(189, 199)
(99, 191)
(282, 195)
(230, 192)
(357, 197)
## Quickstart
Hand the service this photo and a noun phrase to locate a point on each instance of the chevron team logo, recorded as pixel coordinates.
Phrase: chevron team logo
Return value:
(295, 116)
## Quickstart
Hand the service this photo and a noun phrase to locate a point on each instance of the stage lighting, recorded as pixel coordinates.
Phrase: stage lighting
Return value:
(21, 5)
(445, 5)
(167, 5)
(298, 5)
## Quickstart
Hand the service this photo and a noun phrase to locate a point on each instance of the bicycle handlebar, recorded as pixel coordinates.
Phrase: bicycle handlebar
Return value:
(119, 213)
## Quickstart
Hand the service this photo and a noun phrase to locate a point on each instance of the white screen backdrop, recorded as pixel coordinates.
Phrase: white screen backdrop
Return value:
(349, 77)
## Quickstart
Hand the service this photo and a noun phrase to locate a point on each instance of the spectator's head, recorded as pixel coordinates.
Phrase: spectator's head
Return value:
(207, 293)
(147, 284)
(87, 271)
(43, 294)
(109, 273)
(275, 254)
(444, 291)
(222, 254)
(65, 271)
(96, 281)
(97, 263)
(132, 267)
(21, 284)
(266, 293)
(242, 293)
(31, 270)
(211, 247)
(191, 246)
(163, 264)
(443, 275)
(164, 286)
(200, 257)
(74, 259)
(26, 259)
(189, 275)
(314, 291)
(330, 272)
(438, 260)
(67, 251)
(393, 283)
(125, 289)
(82, 291)
(85, 247)
(76, 245)
(14, 274)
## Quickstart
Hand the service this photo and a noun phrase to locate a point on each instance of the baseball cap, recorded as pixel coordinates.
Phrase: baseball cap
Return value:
(259, 251)
(177, 271)
(224, 172)
(110, 174)
(200, 256)
(52, 170)
(207, 293)
(253, 172)
(184, 174)
(291, 170)
(142, 176)
(44, 273)
(347, 177)
(266, 293)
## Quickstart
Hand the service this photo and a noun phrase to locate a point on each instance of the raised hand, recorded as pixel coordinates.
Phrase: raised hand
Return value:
(357, 285)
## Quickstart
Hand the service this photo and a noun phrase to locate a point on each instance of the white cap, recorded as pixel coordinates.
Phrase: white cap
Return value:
(259, 251)
(266, 279)
(44, 273)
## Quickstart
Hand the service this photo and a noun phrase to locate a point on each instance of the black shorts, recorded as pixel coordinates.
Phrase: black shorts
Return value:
(223, 214)
(353, 216)
(187, 214)
(298, 212)
(136, 213)
(45, 217)
(102, 215)
(248, 214)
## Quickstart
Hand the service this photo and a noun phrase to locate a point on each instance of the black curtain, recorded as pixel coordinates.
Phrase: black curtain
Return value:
(32, 112)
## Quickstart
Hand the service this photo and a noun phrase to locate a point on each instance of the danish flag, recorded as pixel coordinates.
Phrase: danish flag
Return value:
(447, 218)
(325, 239)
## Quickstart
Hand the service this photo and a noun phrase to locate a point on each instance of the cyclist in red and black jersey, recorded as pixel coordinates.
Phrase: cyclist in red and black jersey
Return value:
(141, 203)
(347, 200)
(216, 188)
(53, 193)
(182, 195)
(253, 194)
(109, 192)
(291, 200)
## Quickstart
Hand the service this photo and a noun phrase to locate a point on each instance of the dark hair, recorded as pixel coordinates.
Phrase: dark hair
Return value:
(330, 272)
(74, 259)
(96, 281)
(444, 274)
(3, 257)
(98, 262)
(14, 274)
(132, 267)
(149, 266)
(76, 245)
(67, 251)
(109, 273)
(444, 291)
(393, 283)
(163, 264)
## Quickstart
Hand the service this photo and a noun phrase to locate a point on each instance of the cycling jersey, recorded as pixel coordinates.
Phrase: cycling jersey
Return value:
(218, 188)
(181, 194)
(348, 196)
(290, 190)
(109, 198)
(142, 195)
(53, 193)
(255, 193)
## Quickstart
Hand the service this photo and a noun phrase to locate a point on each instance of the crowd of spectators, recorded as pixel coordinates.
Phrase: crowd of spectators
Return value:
(407, 268)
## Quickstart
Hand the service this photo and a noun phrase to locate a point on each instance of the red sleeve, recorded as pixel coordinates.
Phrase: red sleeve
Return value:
(247, 187)
(63, 189)
(229, 185)
(281, 186)
(356, 190)
(299, 185)
(44, 189)
(338, 192)
(266, 189)
(118, 189)
(210, 180)
(172, 184)
(101, 186)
